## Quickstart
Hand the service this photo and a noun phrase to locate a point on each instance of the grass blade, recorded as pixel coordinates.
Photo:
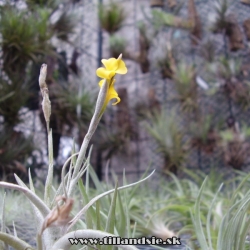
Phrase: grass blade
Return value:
(197, 220)
(209, 217)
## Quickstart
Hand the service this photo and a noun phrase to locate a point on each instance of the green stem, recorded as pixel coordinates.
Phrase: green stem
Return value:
(82, 153)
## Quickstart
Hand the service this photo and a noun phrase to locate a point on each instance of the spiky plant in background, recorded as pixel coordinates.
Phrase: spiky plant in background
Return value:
(15, 149)
(186, 87)
(227, 24)
(169, 140)
(73, 108)
(111, 17)
(219, 22)
(167, 19)
(203, 134)
(22, 41)
(167, 64)
(64, 26)
(235, 145)
(9, 106)
(27, 35)
(230, 75)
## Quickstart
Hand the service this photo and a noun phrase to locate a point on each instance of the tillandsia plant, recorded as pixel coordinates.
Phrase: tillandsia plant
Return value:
(186, 87)
(227, 24)
(167, 19)
(73, 107)
(14, 149)
(54, 225)
(167, 63)
(203, 134)
(111, 17)
(230, 73)
(235, 145)
(169, 140)
(232, 223)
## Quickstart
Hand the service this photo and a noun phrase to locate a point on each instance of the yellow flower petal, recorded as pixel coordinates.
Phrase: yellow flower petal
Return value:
(122, 69)
(110, 64)
(118, 100)
(112, 94)
(103, 73)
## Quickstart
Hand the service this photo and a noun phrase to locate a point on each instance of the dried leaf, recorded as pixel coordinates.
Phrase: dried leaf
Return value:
(59, 216)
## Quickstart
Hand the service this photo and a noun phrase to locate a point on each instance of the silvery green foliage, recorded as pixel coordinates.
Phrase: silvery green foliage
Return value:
(234, 223)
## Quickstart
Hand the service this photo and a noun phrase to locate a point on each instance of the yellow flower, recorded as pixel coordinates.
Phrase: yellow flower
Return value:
(112, 94)
(112, 66)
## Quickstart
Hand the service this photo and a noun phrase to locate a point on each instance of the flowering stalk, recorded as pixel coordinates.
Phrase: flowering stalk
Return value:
(92, 127)
(106, 93)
